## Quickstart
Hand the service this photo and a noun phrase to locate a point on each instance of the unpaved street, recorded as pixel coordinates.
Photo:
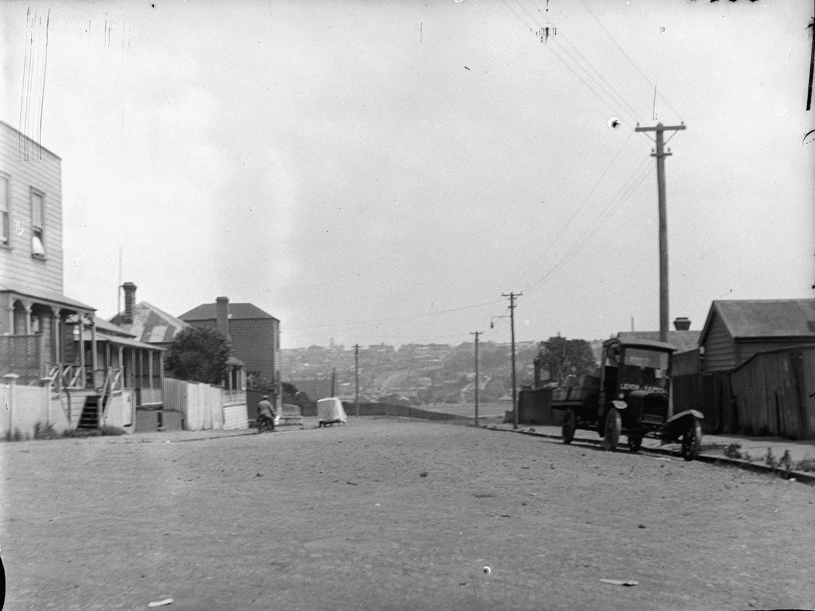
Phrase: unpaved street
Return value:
(393, 514)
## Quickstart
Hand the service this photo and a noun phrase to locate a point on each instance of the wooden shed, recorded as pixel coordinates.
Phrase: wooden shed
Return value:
(736, 330)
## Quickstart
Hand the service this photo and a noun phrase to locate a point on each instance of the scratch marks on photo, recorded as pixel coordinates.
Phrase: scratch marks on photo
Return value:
(32, 95)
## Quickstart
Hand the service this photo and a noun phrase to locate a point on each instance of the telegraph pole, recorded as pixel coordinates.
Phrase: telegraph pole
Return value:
(356, 377)
(512, 297)
(660, 155)
(476, 333)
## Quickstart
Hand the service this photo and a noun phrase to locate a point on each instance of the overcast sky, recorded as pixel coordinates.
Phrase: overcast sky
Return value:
(382, 172)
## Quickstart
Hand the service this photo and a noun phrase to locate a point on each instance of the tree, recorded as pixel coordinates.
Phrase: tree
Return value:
(561, 357)
(198, 354)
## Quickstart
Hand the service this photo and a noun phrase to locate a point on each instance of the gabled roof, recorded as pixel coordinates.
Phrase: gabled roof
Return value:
(681, 340)
(235, 311)
(764, 318)
(150, 324)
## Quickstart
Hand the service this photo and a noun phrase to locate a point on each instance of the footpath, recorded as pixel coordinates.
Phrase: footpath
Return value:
(782, 457)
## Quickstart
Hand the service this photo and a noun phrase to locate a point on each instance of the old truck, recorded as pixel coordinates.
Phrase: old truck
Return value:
(630, 395)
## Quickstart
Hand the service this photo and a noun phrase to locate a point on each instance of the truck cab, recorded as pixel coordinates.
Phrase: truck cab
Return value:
(631, 396)
(634, 380)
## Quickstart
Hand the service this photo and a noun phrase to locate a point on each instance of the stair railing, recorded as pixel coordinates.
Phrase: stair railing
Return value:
(111, 381)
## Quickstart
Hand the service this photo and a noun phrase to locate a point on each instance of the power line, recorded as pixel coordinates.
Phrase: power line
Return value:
(578, 209)
(601, 77)
(397, 318)
(632, 183)
(616, 98)
(631, 61)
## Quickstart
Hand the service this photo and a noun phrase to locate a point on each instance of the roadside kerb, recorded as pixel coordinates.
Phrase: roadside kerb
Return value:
(798, 476)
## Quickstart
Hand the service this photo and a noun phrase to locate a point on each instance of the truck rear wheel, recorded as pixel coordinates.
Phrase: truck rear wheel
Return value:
(569, 425)
(613, 427)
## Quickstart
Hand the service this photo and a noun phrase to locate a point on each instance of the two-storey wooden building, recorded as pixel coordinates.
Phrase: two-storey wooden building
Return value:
(255, 337)
(45, 337)
(39, 326)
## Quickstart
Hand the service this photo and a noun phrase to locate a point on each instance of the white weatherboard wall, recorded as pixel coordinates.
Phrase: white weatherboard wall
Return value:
(23, 407)
(236, 414)
(120, 410)
(204, 406)
(235, 417)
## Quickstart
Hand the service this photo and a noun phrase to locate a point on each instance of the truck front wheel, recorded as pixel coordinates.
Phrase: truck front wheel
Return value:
(613, 428)
(692, 440)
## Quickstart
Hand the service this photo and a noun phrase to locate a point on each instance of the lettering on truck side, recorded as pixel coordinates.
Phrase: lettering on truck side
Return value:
(657, 389)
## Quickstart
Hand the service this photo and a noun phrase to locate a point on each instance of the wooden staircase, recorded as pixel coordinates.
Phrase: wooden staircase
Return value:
(91, 412)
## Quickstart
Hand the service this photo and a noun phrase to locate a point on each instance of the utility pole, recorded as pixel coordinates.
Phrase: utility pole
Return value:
(356, 376)
(476, 333)
(512, 297)
(660, 154)
(811, 64)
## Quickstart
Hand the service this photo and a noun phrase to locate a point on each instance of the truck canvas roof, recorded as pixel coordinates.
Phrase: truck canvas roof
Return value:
(642, 343)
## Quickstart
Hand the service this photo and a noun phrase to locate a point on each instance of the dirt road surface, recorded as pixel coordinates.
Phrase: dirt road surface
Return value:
(393, 514)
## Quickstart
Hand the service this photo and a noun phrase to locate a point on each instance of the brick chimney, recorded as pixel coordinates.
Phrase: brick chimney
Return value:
(222, 314)
(682, 323)
(130, 301)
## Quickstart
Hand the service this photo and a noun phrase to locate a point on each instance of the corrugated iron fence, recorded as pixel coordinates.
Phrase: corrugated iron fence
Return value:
(770, 394)
(774, 393)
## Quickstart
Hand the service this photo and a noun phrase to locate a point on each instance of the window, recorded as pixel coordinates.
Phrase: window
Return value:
(37, 226)
(4, 209)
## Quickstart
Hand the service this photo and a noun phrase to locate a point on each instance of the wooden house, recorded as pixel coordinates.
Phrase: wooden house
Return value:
(156, 328)
(735, 330)
(47, 338)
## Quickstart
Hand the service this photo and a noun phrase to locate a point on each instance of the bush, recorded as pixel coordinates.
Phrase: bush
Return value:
(807, 464)
(44, 431)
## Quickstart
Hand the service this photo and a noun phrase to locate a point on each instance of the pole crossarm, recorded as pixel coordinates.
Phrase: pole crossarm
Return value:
(659, 127)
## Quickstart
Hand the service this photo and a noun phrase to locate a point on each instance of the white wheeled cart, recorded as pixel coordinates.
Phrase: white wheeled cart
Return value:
(330, 411)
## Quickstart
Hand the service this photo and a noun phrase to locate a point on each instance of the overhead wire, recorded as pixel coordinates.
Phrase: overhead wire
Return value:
(605, 88)
(631, 184)
(609, 99)
(631, 61)
(398, 318)
(622, 100)
(578, 209)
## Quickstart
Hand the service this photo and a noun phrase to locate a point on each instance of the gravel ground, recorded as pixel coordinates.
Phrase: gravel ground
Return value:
(393, 514)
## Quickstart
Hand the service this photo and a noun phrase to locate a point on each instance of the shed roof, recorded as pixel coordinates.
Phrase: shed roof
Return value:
(235, 311)
(764, 318)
